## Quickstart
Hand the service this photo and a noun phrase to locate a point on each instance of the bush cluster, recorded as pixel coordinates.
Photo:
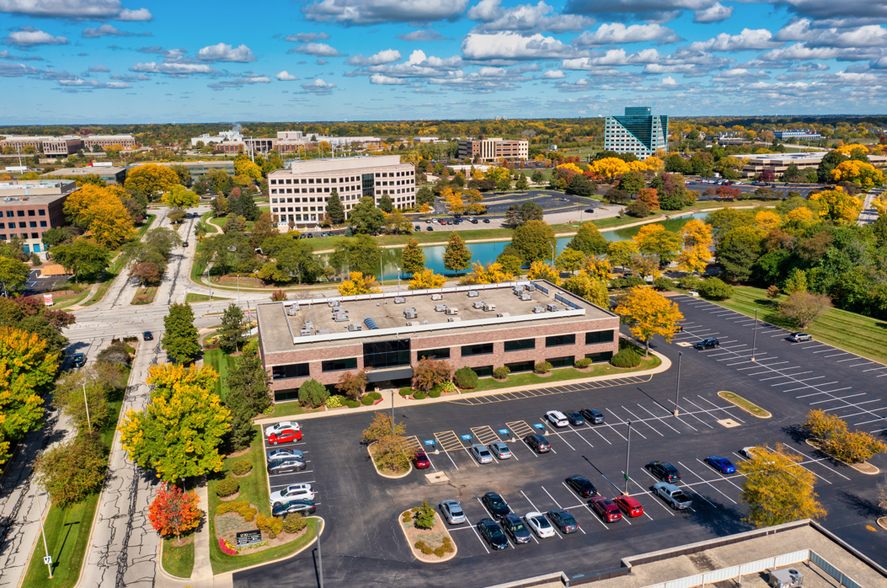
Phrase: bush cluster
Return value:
(227, 487)
(335, 401)
(419, 395)
(626, 358)
(715, 289)
(543, 367)
(241, 507)
(405, 391)
(294, 522)
(465, 378)
(375, 396)
(434, 392)
(244, 466)
(583, 362)
(501, 372)
(445, 548)
(407, 517)
(352, 403)
(367, 400)
(271, 525)
(625, 283)
(661, 283)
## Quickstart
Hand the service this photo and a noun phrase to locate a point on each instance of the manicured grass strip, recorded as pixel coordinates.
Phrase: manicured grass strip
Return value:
(282, 409)
(71, 300)
(221, 362)
(178, 561)
(749, 407)
(110, 274)
(149, 292)
(192, 297)
(846, 330)
(146, 225)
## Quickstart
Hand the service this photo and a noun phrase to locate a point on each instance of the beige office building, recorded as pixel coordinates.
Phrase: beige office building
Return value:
(68, 144)
(494, 149)
(299, 193)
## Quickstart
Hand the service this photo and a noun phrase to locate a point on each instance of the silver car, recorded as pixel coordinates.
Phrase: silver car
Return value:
(453, 512)
(481, 453)
(276, 454)
(500, 450)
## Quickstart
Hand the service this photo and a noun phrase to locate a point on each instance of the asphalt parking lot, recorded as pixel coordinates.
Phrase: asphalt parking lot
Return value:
(497, 203)
(364, 546)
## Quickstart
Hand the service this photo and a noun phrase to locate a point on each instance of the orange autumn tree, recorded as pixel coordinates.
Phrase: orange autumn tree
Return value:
(174, 512)
(650, 197)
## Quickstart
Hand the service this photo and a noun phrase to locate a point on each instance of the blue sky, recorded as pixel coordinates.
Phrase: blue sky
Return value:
(80, 61)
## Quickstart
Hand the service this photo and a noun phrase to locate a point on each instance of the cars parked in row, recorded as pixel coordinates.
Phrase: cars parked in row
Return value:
(557, 418)
(293, 492)
(539, 524)
(563, 520)
(500, 450)
(581, 486)
(303, 507)
(630, 506)
(664, 471)
(672, 495)
(420, 460)
(516, 528)
(595, 417)
(452, 511)
(492, 533)
(283, 432)
(286, 466)
(278, 454)
(722, 464)
(537, 443)
(495, 504)
(606, 509)
(481, 453)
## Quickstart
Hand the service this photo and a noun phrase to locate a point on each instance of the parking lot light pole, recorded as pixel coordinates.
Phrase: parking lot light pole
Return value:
(755, 343)
(319, 560)
(677, 388)
(627, 454)
(86, 404)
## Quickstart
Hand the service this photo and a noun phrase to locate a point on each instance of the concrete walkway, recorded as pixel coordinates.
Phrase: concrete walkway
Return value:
(868, 214)
(203, 571)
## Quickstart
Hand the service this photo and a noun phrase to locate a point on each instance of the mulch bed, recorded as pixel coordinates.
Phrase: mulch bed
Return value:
(231, 523)
(230, 498)
(244, 281)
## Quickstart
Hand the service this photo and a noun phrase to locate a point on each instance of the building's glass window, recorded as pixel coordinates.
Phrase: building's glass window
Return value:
(479, 349)
(559, 340)
(386, 353)
(598, 337)
(335, 365)
(433, 354)
(32, 213)
(520, 345)
(295, 370)
(521, 366)
(598, 357)
(484, 371)
(566, 361)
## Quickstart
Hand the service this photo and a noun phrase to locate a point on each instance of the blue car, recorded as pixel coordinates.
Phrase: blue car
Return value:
(722, 464)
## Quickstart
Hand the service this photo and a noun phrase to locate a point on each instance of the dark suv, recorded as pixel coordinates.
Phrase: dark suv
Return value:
(664, 471)
(593, 416)
(706, 343)
(79, 360)
(582, 486)
(538, 443)
(496, 505)
(516, 528)
(492, 533)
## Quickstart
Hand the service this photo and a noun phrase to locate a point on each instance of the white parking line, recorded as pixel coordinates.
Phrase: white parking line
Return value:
(841, 398)
(479, 538)
(621, 422)
(637, 418)
(708, 483)
(659, 419)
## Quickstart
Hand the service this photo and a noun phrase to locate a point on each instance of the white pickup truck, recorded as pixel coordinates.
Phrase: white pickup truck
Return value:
(672, 495)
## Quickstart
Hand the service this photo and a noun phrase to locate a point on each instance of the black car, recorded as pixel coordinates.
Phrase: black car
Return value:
(281, 509)
(148, 336)
(575, 419)
(286, 466)
(516, 528)
(492, 533)
(429, 228)
(582, 486)
(664, 471)
(595, 417)
(417, 228)
(184, 244)
(706, 343)
(563, 520)
(496, 505)
(538, 443)
(487, 221)
(79, 360)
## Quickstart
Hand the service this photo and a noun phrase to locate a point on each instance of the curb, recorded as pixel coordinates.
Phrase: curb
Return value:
(416, 551)
(849, 465)
(398, 477)
(160, 562)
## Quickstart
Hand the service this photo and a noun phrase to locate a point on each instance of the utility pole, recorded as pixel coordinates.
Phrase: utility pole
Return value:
(86, 404)
(392, 412)
(398, 277)
(627, 454)
(48, 558)
(754, 346)
(677, 388)
(319, 560)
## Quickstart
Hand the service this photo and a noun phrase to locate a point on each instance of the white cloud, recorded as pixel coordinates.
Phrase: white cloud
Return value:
(16, 70)
(737, 75)
(318, 86)
(553, 74)
(747, 40)
(107, 30)
(84, 9)
(245, 79)
(173, 68)
(525, 18)
(870, 10)
(648, 10)
(423, 35)
(512, 46)
(616, 33)
(802, 52)
(715, 13)
(306, 37)
(285, 76)
(98, 69)
(805, 30)
(224, 52)
(362, 12)
(384, 80)
(612, 57)
(418, 65)
(29, 36)
(386, 56)
(135, 15)
(578, 86)
(93, 84)
(7, 55)
(316, 49)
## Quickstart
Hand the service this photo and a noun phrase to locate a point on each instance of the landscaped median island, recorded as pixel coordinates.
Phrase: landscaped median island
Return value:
(829, 434)
(749, 407)
(387, 447)
(427, 535)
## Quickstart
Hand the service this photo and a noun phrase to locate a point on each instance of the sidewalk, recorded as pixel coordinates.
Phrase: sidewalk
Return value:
(401, 402)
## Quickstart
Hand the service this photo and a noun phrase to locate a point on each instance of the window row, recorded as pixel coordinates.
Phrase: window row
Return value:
(14, 213)
(23, 224)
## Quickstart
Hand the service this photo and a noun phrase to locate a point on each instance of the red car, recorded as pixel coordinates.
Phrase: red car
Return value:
(421, 460)
(285, 436)
(606, 509)
(629, 506)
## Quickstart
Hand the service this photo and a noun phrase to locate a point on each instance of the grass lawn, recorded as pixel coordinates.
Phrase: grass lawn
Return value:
(146, 225)
(852, 332)
(749, 407)
(149, 294)
(282, 409)
(178, 561)
(559, 375)
(60, 302)
(255, 489)
(192, 297)
(221, 362)
(109, 275)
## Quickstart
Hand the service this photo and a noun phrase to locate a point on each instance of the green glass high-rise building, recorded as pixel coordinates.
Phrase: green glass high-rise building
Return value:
(637, 132)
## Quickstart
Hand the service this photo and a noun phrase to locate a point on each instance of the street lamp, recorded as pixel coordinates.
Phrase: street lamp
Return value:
(319, 560)
(677, 388)
(627, 454)
(754, 346)
(398, 276)
(48, 559)
(86, 404)
(381, 271)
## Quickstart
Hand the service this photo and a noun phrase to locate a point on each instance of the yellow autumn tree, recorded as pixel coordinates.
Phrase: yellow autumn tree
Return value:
(860, 173)
(837, 205)
(492, 273)
(597, 267)
(880, 204)
(571, 167)
(152, 179)
(638, 166)
(100, 210)
(539, 270)
(357, 283)
(655, 164)
(609, 167)
(767, 220)
(180, 197)
(648, 313)
(850, 148)
(696, 237)
(427, 279)
(243, 166)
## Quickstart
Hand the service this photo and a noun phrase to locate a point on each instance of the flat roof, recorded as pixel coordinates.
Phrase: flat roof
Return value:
(334, 164)
(82, 171)
(282, 324)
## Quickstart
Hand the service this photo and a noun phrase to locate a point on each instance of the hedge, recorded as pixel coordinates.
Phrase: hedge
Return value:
(465, 378)
(227, 487)
(244, 466)
(626, 358)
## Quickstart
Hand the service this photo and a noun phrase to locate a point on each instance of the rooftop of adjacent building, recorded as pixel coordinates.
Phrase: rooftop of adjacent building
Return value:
(282, 323)
(31, 192)
(331, 164)
(82, 171)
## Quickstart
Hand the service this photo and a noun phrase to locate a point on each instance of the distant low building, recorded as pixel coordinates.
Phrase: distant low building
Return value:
(68, 144)
(29, 208)
(111, 175)
(799, 135)
(200, 169)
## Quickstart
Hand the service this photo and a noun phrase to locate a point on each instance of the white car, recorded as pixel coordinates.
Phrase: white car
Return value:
(557, 418)
(539, 524)
(281, 427)
(481, 453)
(294, 492)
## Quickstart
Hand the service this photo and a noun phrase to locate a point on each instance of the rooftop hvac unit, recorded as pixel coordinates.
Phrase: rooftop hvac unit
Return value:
(304, 332)
(399, 300)
(526, 296)
(531, 287)
(503, 314)
(454, 319)
(309, 324)
(518, 290)
(412, 324)
(473, 293)
(340, 317)
(291, 309)
(333, 302)
(440, 308)
(538, 309)
(437, 296)
(452, 310)
(410, 314)
(552, 308)
(478, 304)
(488, 306)
(355, 327)
(370, 323)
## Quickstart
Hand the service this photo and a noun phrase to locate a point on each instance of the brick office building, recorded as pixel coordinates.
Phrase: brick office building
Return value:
(515, 324)
(29, 208)
(493, 150)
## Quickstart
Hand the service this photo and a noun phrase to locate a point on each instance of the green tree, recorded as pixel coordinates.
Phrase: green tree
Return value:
(801, 308)
(248, 395)
(522, 183)
(89, 386)
(234, 224)
(828, 163)
(180, 341)
(530, 211)
(580, 186)
(738, 250)
(73, 470)
(365, 217)
(632, 182)
(263, 229)
(83, 258)
(13, 275)
(178, 434)
(233, 326)
(413, 257)
(334, 208)
(570, 260)
(357, 254)
(312, 393)
(457, 257)
(243, 205)
(589, 240)
(183, 173)
(180, 197)
(534, 241)
(385, 204)
(425, 195)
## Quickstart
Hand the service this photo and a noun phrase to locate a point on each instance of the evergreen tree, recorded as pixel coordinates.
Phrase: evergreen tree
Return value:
(180, 339)
(243, 205)
(522, 183)
(413, 257)
(512, 216)
(248, 395)
(530, 211)
(231, 333)
(385, 204)
(365, 217)
(457, 257)
(335, 209)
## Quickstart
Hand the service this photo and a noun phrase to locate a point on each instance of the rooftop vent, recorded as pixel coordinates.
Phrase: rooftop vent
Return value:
(440, 308)
(410, 313)
(304, 332)
(340, 317)
(355, 327)
(370, 323)
(489, 306)
(478, 304)
(518, 290)
(552, 308)
(437, 296)
(503, 314)
(526, 296)
(531, 287)
(473, 293)
(454, 319)
(538, 309)
(452, 310)
(399, 300)
(291, 309)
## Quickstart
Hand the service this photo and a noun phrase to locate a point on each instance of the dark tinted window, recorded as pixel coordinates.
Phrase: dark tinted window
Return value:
(479, 349)
(339, 364)
(386, 353)
(484, 371)
(597, 357)
(558, 340)
(433, 354)
(520, 344)
(295, 370)
(566, 361)
(520, 366)
(598, 337)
